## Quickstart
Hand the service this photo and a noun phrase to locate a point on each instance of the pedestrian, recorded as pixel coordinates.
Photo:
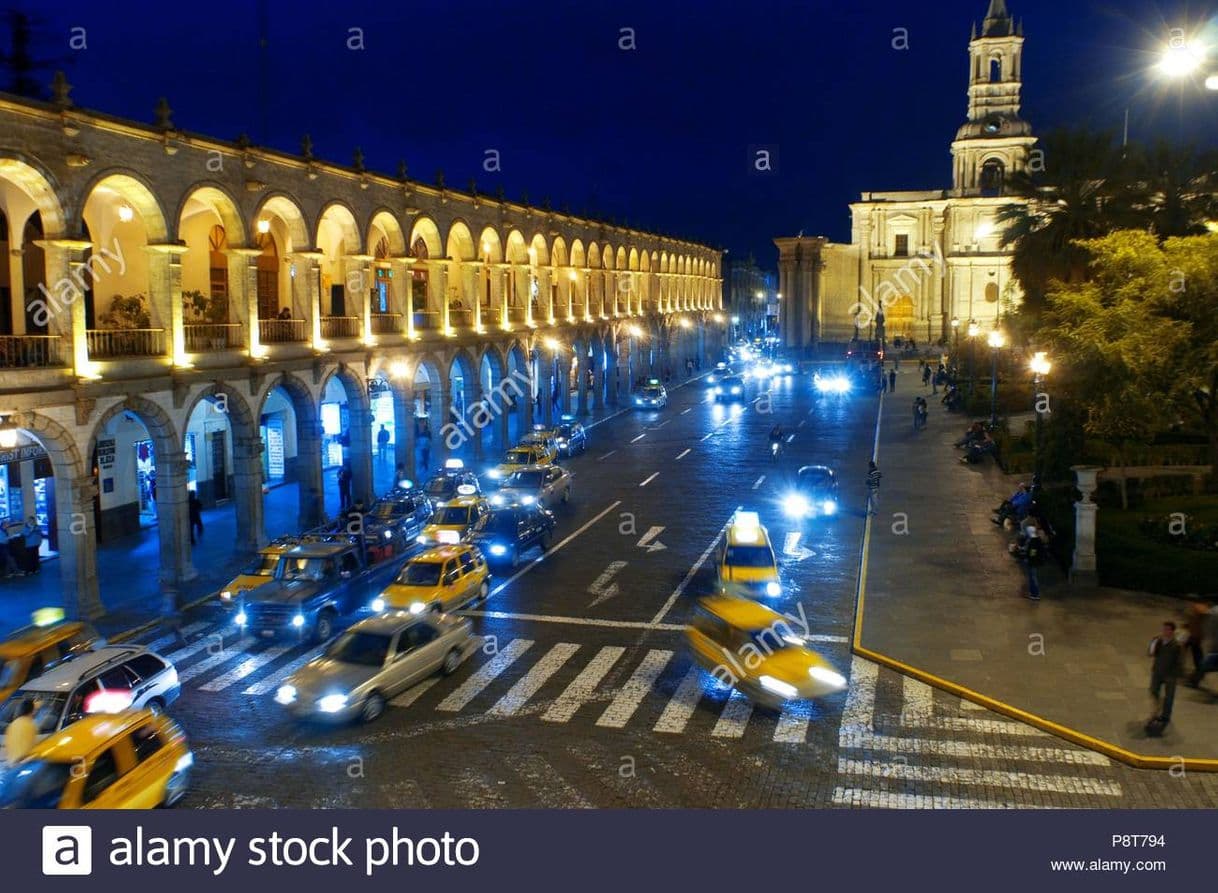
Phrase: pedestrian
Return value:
(382, 443)
(926, 375)
(195, 509)
(892, 380)
(1209, 663)
(344, 486)
(1168, 658)
(917, 414)
(32, 537)
(8, 566)
(21, 734)
(873, 487)
(425, 449)
(1034, 556)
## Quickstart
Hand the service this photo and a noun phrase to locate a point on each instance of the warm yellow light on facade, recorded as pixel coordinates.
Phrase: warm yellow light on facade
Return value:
(1041, 365)
(685, 323)
(399, 369)
(1211, 82)
(126, 213)
(8, 434)
(259, 351)
(718, 317)
(571, 275)
(264, 226)
(634, 331)
(973, 329)
(996, 339)
(552, 343)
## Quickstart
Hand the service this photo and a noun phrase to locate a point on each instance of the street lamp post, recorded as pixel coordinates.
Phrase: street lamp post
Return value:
(997, 341)
(973, 331)
(956, 341)
(1041, 366)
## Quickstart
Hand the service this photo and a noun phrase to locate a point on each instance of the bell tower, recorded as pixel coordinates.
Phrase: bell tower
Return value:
(995, 140)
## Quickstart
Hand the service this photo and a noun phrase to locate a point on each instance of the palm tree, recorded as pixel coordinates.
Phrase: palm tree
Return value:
(1174, 189)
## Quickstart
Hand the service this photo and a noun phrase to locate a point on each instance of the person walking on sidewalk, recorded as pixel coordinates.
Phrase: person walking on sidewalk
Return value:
(344, 486)
(31, 535)
(194, 508)
(926, 375)
(873, 487)
(1168, 658)
(1034, 557)
(382, 443)
(892, 380)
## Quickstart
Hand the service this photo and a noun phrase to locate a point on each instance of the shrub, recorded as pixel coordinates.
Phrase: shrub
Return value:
(129, 312)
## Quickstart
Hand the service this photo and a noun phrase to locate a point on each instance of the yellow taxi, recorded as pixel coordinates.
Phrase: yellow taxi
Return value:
(454, 519)
(259, 571)
(442, 579)
(29, 652)
(522, 456)
(543, 437)
(755, 650)
(133, 760)
(745, 562)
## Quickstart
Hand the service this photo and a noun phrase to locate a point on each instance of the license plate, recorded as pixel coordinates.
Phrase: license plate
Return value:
(267, 633)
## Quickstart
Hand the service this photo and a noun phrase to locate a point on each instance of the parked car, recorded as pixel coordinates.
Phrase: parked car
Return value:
(50, 640)
(442, 579)
(509, 532)
(572, 438)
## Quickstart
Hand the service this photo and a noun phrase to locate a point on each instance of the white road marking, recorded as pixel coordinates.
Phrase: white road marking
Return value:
(649, 540)
(860, 696)
(211, 640)
(222, 656)
(709, 435)
(549, 789)
(583, 686)
(577, 621)
(685, 452)
(919, 701)
(606, 456)
(603, 586)
(802, 422)
(412, 694)
(532, 681)
(995, 778)
(676, 593)
(269, 683)
(628, 698)
(650, 479)
(640, 437)
(661, 425)
(473, 686)
(540, 558)
(896, 800)
(682, 704)
(757, 483)
(734, 718)
(940, 747)
(792, 725)
(245, 668)
(685, 410)
(187, 631)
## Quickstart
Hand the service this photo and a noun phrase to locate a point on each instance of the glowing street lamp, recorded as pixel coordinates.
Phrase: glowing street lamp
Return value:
(1182, 57)
(997, 342)
(264, 226)
(125, 213)
(8, 434)
(685, 323)
(1211, 82)
(1041, 367)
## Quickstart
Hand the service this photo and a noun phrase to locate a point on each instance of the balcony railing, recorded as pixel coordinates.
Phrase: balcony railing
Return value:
(210, 336)
(340, 327)
(426, 320)
(460, 319)
(29, 351)
(282, 331)
(107, 344)
(386, 323)
(516, 315)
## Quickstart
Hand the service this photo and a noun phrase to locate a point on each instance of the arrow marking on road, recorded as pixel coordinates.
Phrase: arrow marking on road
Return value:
(603, 586)
(793, 549)
(649, 541)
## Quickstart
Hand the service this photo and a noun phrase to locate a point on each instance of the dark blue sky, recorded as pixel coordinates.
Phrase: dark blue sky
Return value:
(660, 135)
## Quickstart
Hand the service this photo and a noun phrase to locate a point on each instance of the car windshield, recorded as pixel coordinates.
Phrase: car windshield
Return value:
(652, 392)
(452, 516)
(420, 573)
(441, 486)
(364, 649)
(564, 430)
(518, 457)
(502, 524)
(812, 480)
(262, 566)
(9, 670)
(302, 568)
(35, 785)
(526, 480)
(750, 556)
(47, 709)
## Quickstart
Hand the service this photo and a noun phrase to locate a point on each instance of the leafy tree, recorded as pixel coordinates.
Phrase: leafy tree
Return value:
(1173, 188)
(129, 312)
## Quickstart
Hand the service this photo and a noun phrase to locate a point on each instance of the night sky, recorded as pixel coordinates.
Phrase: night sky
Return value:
(661, 135)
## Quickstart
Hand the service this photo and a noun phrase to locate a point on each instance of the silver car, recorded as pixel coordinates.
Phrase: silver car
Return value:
(373, 661)
(543, 485)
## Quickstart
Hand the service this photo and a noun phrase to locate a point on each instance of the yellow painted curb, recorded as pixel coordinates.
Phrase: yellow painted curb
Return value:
(1114, 751)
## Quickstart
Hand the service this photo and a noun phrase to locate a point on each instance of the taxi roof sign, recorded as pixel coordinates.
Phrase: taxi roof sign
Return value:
(47, 616)
(467, 489)
(539, 427)
(454, 463)
(653, 381)
(747, 519)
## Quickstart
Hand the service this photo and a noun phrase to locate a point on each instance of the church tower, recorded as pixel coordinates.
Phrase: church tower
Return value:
(995, 140)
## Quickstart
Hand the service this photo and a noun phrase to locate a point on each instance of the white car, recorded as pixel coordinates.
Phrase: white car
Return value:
(543, 485)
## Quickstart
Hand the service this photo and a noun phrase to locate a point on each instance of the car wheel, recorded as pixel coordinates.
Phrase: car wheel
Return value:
(374, 706)
(452, 660)
(484, 591)
(176, 787)
(324, 628)
(156, 705)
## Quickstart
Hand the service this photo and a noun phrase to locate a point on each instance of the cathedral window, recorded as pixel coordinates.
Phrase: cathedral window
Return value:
(902, 246)
(995, 69)
(993, 178)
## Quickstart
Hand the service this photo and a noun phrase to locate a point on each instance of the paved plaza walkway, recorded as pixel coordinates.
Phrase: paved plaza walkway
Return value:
(943, 596)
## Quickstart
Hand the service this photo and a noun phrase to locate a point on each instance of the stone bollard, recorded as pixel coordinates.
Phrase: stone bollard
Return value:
(1082, 568)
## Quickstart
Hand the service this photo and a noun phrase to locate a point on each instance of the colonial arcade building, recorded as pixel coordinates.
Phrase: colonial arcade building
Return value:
(179, 314)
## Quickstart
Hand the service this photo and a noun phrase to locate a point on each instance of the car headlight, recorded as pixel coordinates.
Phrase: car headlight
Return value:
(286, 694)
(494, 474)
(378, 605)
(498, 549)
(778, 687)
(226, 595)
(773, 589)
(718, 390)
(497, 499)
(298, 621)
(830, 507)
(421, 538)
(736, 390)
(388, 534)
(241, 619)
(332, 703)
(796, 506)
(449, 536)
(527, 500)
(417, 607)
(827, 676)
(185, 761)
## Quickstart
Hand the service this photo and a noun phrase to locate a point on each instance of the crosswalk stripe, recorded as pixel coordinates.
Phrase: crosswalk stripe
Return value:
(223, 656)
(549, 788)
(793, 722)
(158, 644)
(860, 697)
(919, 700)
(955, 748)
(211, 640)
(473, 686)
(899, 800)
(628, 698)
(984, 726)
(412, 694)
(270, 683)
(682, 704)
(246, 667)
(529, 684)
(583, 686)
(734, 718)
(997, 778)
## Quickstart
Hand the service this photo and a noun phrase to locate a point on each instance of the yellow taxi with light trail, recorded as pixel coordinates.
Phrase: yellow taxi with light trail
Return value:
(523, 456)
(745, 563)
(454, 519)
(757, 651)
(258, 571)
(49, 640)
(137, 759)
(442, 579)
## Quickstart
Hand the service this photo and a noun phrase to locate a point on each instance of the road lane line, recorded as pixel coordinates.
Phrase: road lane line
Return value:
(269, 683)
(473, 686)
(583, 686)
(684, 453)
(661, 425)
(757, 484)
(682, 704)
(686, 410)
(412, 694)
(532, 681)
(606, 456)
(676, 593)
(650, 479)
(540, 558)
(640, 437)
(574, 621)
(802, 422)
(709, 435)
(734, 718)
(628, 698)
(245, 668)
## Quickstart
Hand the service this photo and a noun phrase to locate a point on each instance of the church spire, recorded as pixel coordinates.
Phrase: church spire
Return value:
(998, 22)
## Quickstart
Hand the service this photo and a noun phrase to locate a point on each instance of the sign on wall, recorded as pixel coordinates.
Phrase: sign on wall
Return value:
(24, 453)
(274, 449)
(106, 451)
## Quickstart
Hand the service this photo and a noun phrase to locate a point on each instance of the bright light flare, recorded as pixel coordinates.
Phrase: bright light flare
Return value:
(1182, 58)
(834, 384)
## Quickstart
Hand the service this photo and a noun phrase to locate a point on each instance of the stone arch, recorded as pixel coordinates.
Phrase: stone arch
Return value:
(359, 431)
(389, 225)
(308, 444)
(134, 189)
(425, 228)
(40, 185)
(288, 210)
(338, 214)
(220, 200)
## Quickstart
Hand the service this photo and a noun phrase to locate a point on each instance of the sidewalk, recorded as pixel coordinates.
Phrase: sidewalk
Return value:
(945, 598)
